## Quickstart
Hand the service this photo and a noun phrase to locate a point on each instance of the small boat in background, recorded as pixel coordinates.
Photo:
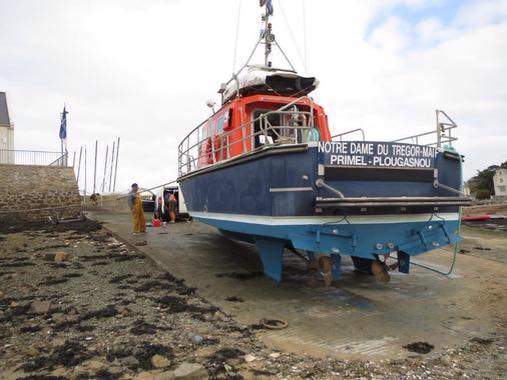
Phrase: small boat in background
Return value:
(266, 169)
(476, 218)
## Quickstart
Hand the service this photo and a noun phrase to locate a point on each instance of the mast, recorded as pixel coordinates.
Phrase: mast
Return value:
(268, 39)
(266, 35)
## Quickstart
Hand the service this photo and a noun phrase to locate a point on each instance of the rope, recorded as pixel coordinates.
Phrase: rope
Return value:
(291, 34)
(305, 35)
(237, 38)
(456, 245)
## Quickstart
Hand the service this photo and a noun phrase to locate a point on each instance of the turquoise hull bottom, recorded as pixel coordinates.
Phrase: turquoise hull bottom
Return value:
(362, 237)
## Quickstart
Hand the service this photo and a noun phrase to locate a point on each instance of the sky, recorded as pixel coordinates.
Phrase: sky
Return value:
(143, 70)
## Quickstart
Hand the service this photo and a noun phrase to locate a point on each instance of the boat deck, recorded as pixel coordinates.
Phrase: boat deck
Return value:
(357, 318)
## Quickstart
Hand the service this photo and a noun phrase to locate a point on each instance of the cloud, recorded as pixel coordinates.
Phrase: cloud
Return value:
(143, 71)
(391, 35)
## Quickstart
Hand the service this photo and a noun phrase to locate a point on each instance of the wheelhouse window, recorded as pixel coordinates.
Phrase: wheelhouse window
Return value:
(258, 138)
(289, 126)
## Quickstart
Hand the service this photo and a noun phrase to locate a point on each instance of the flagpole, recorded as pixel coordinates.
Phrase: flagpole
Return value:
(116, 164)
(95, 167)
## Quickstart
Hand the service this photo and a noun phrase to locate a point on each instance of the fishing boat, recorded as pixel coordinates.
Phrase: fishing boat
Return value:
(265, 169)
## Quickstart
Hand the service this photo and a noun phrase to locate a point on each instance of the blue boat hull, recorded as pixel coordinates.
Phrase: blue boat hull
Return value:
(270, 198)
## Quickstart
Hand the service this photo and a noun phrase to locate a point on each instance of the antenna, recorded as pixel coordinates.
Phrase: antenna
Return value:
(268, 39)
(266, 34)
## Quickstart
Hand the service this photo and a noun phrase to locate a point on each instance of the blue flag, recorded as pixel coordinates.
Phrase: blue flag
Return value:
(63, 125)
(269, 8)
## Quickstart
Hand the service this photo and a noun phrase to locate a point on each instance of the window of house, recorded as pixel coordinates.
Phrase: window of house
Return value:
(501, 189)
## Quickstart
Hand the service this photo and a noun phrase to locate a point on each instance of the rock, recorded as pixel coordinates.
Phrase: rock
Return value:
(274, 355)
(197, 339)
(94, 364)
(57, 317)
(190, 371)
(40, 307)
(129, 361)
(61, 256)
(147, 375)
(1, 294)
(159, 361)
(249, 358)
(49, 257)
(31, 350)
(60, 373)
(233, 362)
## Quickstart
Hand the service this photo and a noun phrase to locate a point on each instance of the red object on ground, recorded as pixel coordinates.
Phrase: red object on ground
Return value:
(476, 218)
(155, 222)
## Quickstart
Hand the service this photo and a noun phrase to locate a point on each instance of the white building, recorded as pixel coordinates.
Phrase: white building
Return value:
(500, 182)
(6, 132)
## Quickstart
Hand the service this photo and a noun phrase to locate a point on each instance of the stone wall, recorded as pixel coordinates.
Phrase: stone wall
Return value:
(45, 190)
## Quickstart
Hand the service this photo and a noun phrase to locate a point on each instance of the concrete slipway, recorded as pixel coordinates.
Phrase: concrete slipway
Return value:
(356, 318)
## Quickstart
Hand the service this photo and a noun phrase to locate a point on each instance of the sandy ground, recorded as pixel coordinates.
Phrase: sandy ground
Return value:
(106, 311)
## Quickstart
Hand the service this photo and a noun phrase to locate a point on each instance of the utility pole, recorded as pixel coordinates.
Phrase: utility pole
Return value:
(95, 167)
(112, 164)
(116, 164)
(105, 170)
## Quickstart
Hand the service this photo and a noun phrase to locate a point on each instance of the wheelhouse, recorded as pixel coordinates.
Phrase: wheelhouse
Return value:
(251, 123)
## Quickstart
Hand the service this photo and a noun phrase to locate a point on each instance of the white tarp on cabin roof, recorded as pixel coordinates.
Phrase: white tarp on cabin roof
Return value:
(257, 76)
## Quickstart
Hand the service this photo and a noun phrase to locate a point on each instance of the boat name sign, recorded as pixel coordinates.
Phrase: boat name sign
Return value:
(379, 154)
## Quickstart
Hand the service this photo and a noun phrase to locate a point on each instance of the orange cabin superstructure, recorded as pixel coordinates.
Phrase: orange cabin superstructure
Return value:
(236, 129)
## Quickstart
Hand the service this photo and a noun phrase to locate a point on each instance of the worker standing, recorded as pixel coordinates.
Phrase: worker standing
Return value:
(136, 207)
(172, 208)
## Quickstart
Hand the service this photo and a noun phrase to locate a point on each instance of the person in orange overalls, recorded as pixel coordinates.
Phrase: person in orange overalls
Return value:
(136, 207)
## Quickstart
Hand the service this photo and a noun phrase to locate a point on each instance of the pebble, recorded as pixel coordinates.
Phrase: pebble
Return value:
(61, 256)
(190, 371)
(40, 307)
(159, 361)
(197, 339)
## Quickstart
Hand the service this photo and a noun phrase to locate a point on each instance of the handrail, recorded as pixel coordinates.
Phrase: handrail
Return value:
(32, 157)
(60, 161)
(228, 145)
(224, 136)
(443, 131)
(294, 102)
(349, 132)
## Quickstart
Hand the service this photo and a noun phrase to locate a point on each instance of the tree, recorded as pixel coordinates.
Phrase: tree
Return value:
(482, 194)
(485, 180)
(504, 165)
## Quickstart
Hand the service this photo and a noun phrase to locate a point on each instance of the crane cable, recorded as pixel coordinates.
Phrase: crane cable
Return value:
(305, 35)
(236, 38)
(292, 35)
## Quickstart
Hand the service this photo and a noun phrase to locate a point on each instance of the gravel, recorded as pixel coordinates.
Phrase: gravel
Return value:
(112, 311)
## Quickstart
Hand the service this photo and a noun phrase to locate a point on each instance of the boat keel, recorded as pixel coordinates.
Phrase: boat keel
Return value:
(336, 262)
(271, 254)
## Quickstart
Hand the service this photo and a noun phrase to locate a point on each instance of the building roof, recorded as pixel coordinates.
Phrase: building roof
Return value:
(4, 111)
